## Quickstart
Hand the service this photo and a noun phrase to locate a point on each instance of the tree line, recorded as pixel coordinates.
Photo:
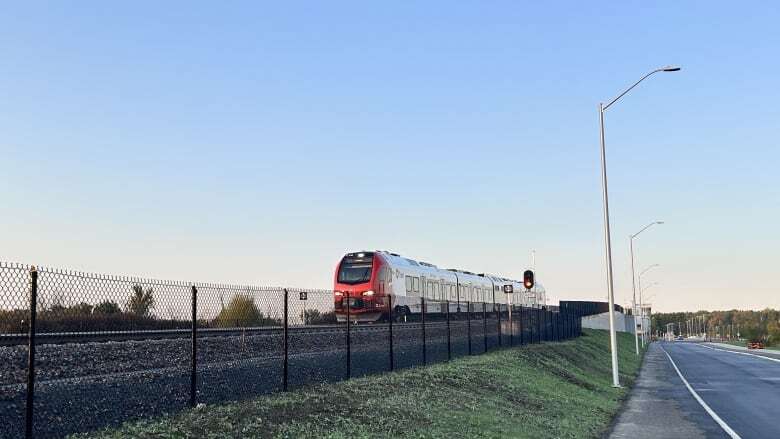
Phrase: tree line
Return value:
(140, 312)
(761, 325)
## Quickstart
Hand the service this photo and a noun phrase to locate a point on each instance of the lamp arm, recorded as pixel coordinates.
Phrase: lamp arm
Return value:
(628, 90)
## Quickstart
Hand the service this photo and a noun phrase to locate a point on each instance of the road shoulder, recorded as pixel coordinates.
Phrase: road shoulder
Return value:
(660, 406)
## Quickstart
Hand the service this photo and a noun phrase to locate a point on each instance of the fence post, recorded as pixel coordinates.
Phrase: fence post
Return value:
(390, 327)
(286, 323)
(511, 325)
(468, 323)
(449, 343)
(422, 314)
(194, 359)
(349, 342)
(498, 316)
(521, 324)
(538, 325)
(548, 325)
(484, 323)
(31, 353)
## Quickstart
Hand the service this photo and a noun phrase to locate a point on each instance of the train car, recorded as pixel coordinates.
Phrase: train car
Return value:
(367, 282)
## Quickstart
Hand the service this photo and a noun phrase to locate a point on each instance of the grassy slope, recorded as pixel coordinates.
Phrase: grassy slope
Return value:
(548, 390)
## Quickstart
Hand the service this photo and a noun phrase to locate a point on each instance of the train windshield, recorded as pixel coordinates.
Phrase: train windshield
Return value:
(355, 268)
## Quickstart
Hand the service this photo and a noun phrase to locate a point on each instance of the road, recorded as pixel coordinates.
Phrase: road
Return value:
(698, 390)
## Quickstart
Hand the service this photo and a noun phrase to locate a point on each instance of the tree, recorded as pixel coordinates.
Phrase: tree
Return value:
(242, 311)
(107, 307)
(141, 302)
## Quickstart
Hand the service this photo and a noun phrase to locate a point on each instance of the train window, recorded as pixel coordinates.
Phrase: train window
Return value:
(416, 284)
(408, 284)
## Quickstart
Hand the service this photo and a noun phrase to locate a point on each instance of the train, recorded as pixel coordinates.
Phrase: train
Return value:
(368, 283)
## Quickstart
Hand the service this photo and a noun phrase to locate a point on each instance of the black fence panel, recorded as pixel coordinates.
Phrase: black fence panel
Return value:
(14, 321)
(318, 341)
(109, 349)
(408, 334)
(91, 385)
(459, 329)
(240, 342)
(436, 331)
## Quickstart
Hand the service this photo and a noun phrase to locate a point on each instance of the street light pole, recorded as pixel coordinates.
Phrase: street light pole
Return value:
(607, 235)
(641, 302)
(608, 252)
(633, 285)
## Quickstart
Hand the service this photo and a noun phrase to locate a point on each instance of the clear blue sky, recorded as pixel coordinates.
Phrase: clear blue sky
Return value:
(257, 142)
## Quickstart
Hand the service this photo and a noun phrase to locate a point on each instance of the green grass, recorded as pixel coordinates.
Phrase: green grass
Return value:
(549, 390)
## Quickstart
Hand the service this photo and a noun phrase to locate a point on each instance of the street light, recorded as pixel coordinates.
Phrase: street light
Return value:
(641, 302)
(607, 237)
(633, 282)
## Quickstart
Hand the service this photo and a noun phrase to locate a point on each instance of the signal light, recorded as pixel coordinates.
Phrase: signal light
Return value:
(528, 279)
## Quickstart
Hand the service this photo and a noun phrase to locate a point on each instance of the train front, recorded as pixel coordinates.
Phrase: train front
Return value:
(357, 289)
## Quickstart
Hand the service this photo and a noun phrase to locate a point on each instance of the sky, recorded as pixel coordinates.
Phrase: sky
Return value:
(257, 142)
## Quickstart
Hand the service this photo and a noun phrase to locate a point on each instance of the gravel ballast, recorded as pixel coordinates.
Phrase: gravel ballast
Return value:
(87, 386)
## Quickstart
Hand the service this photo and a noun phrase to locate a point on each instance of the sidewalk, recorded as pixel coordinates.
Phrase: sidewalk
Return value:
(660, 406)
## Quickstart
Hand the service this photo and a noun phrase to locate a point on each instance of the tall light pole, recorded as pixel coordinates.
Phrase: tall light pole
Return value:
(641, 303)
(633, 282)
(607, 237)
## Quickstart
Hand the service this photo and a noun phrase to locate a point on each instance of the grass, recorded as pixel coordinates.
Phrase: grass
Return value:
(549, 390)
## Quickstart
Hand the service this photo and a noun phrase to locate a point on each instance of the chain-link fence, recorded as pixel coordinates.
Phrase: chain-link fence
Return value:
(81, 351)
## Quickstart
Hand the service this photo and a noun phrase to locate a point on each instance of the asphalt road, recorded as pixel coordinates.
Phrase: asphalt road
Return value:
(741, 393)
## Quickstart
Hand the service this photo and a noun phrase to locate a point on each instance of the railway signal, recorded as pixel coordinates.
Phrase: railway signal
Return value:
(528, 279)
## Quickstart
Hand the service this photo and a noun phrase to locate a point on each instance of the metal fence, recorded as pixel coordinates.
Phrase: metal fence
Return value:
(81, 351)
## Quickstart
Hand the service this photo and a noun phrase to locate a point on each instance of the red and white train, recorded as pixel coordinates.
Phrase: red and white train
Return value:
(367, 279)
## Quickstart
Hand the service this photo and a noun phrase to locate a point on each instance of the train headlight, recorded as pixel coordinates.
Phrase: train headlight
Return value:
(368, 293)
(338, 293)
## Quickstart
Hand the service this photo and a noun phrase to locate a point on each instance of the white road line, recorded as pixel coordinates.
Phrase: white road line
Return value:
(741, 353)
(733, 434)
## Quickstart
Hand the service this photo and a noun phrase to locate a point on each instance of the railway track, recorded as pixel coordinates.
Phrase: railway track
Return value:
(139, 335)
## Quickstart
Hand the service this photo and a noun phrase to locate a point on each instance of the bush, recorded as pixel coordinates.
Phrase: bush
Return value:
(141, 302)
(242, 311)
(107, 307)
(315, 317)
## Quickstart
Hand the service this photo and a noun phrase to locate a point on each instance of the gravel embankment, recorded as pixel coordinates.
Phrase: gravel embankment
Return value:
(82, 387)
